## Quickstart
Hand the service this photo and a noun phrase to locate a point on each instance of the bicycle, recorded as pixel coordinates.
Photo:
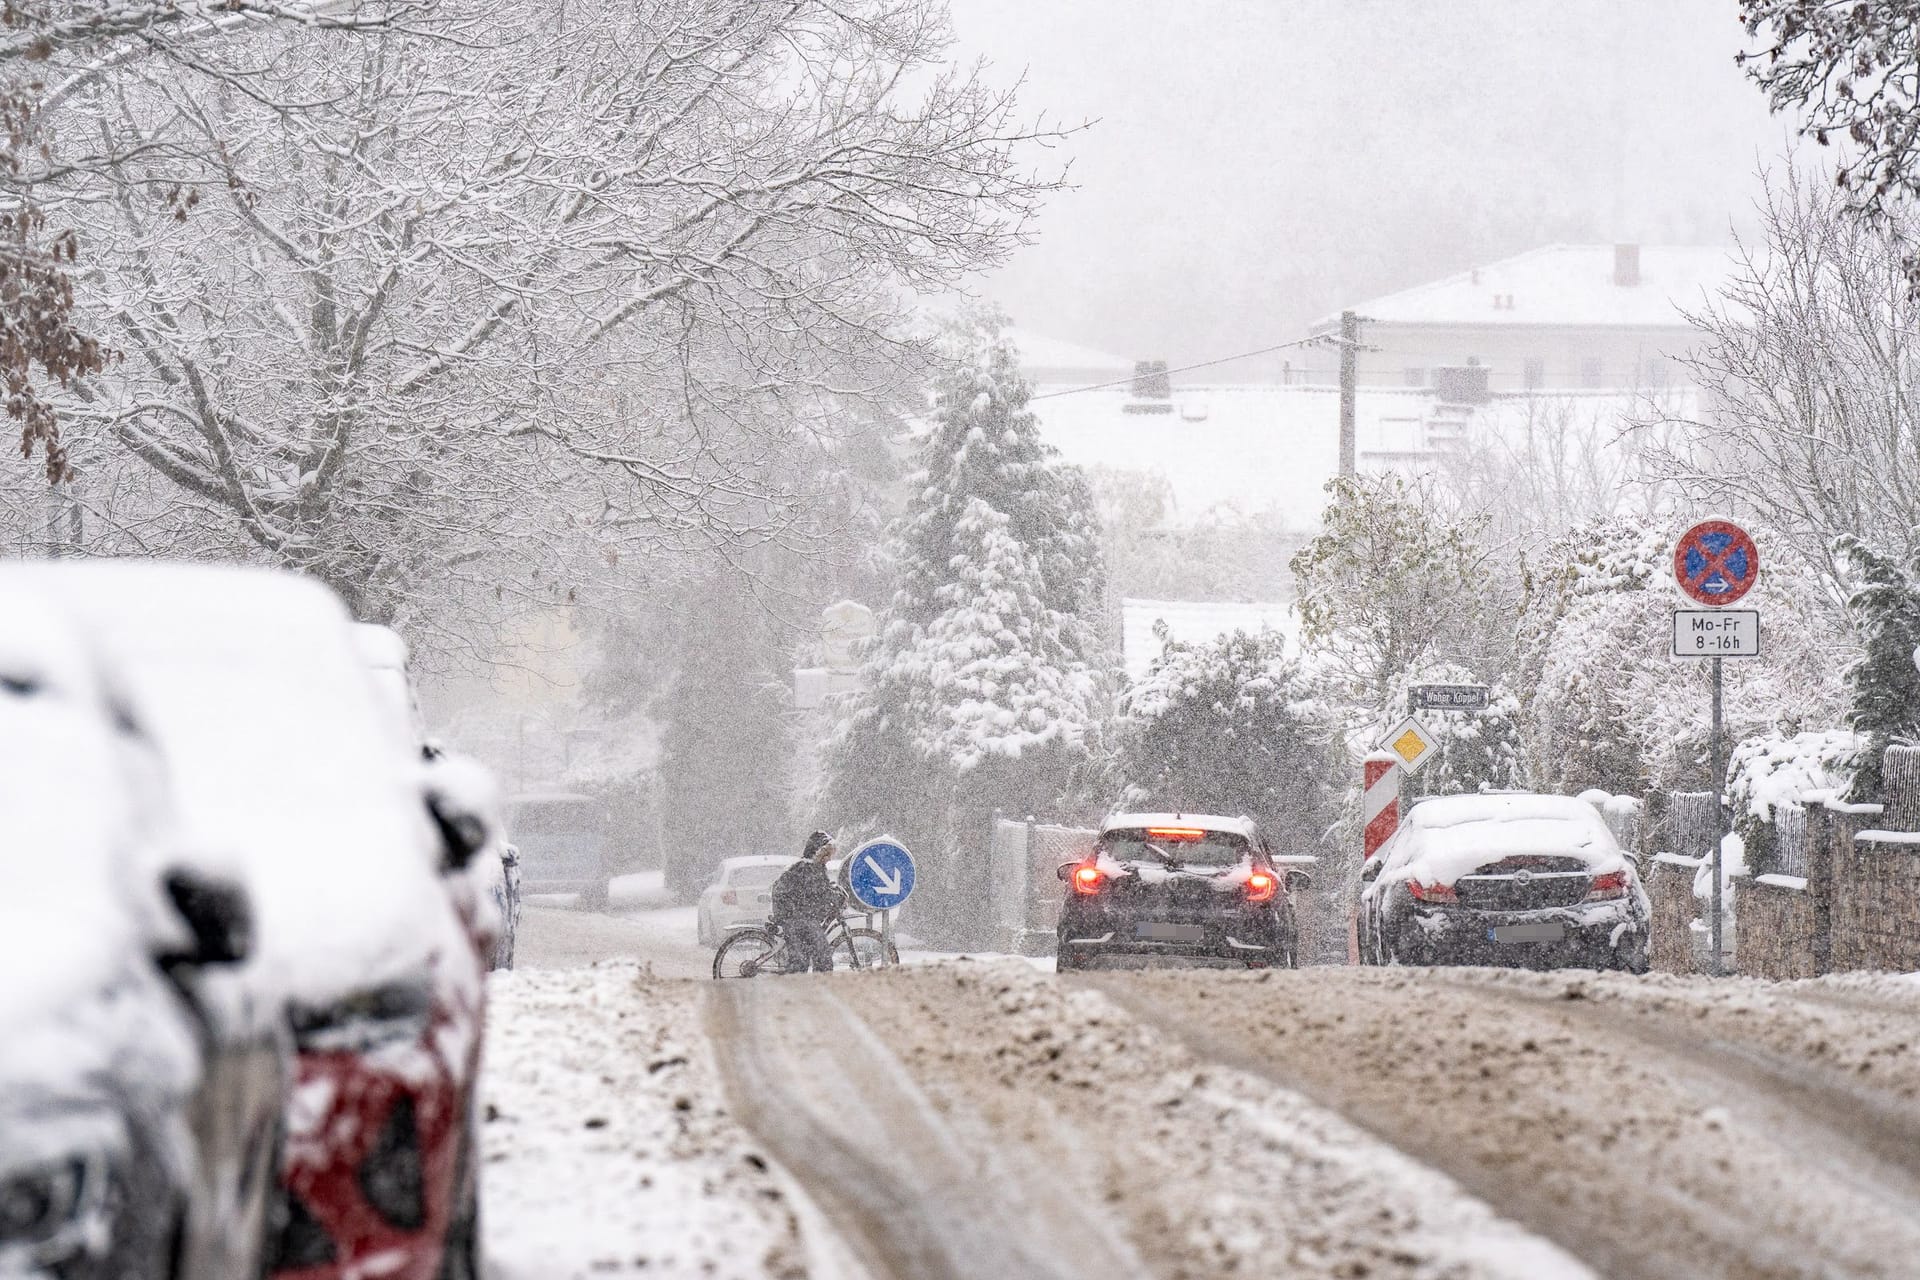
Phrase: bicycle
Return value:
(753, 953)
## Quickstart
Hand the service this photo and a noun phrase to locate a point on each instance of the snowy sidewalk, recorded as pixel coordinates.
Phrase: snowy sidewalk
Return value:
(609, 1150)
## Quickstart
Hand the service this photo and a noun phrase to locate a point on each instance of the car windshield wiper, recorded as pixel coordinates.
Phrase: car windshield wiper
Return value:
(1166, 859)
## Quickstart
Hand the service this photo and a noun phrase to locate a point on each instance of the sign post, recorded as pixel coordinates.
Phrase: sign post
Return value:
(1716, 563)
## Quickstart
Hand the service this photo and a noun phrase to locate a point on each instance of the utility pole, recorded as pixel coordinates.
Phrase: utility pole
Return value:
(1349, 375)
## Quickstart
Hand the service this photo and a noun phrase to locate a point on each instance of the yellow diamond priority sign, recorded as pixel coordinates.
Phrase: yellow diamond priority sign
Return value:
(1412, 742)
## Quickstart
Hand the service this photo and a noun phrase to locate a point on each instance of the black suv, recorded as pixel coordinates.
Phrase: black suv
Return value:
(1191, 890)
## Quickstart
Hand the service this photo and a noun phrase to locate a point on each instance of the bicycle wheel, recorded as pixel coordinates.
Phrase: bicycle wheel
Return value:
(745, 954)
(863, 949)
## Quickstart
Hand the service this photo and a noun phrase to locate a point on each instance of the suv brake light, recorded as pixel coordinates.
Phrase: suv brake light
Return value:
(1184, 835)
(1611, 885)
(1087, 878)
(1261, 886)
(1432, 892)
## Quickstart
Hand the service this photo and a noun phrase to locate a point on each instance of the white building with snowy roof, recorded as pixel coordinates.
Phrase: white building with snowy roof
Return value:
(1557, 318)
(1254, 451)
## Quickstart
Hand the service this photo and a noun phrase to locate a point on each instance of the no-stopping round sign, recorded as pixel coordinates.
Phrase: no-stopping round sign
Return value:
(1716, 562)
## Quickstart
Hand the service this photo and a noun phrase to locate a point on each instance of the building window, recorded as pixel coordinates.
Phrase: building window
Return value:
(1533, 373)
(1592, 374)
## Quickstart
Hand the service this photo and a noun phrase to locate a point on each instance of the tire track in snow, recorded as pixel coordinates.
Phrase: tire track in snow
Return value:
(839, 1111)
(1733, 1033)
(1634, 1155)
(1207, 1172)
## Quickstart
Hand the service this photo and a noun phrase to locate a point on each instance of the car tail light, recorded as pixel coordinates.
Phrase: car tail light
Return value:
(1611, 885)
(1087, 878)
(1261, 886)
(1184, 835)
(1432, 892)
(731, 898)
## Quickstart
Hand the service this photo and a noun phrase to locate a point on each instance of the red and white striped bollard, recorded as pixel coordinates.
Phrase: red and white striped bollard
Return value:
(1379, 818)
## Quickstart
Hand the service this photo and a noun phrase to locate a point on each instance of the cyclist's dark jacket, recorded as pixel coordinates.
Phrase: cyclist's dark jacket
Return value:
(803, 892)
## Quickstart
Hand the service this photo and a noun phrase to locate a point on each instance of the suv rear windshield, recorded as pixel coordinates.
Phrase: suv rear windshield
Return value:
(1185, 846)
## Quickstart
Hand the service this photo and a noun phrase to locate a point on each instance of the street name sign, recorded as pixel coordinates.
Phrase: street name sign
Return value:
(1716, 562)
(1716, 633)
(880, 874)
(1412, 743)
(1449, 697)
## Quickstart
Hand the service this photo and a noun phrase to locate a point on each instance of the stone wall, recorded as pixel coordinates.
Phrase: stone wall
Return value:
(1776, 924)
(1876, 900)
(1670, 886)
(1856, 904)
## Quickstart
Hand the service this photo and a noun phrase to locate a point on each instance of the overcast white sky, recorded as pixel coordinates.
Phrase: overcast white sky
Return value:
(1259, 163)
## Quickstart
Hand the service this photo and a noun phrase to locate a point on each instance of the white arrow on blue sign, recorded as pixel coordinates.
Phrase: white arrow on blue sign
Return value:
(880, 875)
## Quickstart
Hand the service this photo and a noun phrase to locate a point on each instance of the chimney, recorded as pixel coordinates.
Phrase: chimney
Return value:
(1152, 388)
(1150, 380)
(1626, 265)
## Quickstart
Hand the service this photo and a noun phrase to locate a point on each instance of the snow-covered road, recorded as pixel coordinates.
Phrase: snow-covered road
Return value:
(982, 1118)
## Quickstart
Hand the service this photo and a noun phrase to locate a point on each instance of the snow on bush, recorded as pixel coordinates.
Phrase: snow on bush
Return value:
(1776, 769)
(1231, 727)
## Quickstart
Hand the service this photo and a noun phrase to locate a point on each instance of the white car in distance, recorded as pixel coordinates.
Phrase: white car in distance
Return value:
(740, 897)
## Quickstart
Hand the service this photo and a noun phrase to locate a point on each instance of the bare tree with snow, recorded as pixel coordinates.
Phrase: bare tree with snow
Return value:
(529, 288)
(1808, 359)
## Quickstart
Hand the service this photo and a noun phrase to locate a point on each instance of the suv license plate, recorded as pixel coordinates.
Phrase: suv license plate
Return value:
(1528, 933)
(1171, 932)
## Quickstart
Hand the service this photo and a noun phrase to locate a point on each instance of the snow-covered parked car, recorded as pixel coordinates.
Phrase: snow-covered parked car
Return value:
(280, 754)
(563, 844)
(1533, 881)
(141, 1084)
(487, 892)
(740, 897)
(1178, 889)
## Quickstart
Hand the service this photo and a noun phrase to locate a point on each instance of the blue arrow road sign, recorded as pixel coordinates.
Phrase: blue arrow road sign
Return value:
(880, 874)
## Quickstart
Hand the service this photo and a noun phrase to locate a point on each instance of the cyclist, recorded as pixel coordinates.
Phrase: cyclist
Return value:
(804, 903)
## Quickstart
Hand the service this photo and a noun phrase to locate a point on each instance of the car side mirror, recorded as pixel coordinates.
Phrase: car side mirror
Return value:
(218, 915)
(463, 801)
(1298, 881)
(463, 834)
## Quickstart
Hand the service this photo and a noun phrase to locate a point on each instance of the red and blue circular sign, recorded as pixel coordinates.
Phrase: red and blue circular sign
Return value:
(1716, 562)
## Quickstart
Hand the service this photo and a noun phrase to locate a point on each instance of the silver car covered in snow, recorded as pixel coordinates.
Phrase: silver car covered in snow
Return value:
(1527, 881)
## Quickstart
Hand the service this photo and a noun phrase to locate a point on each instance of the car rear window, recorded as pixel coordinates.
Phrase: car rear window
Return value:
(1187, 846)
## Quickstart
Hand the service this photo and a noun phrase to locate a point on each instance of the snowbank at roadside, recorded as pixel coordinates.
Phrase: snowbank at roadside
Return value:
(608, 1147)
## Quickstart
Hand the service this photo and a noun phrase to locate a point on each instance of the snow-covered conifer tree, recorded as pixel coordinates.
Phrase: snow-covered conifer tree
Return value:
(985, 686)
(1883, 683)
(1228, 727)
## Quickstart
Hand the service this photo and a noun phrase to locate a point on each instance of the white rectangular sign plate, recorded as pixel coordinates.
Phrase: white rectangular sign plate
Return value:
(1449, 697)
(1716, 633)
